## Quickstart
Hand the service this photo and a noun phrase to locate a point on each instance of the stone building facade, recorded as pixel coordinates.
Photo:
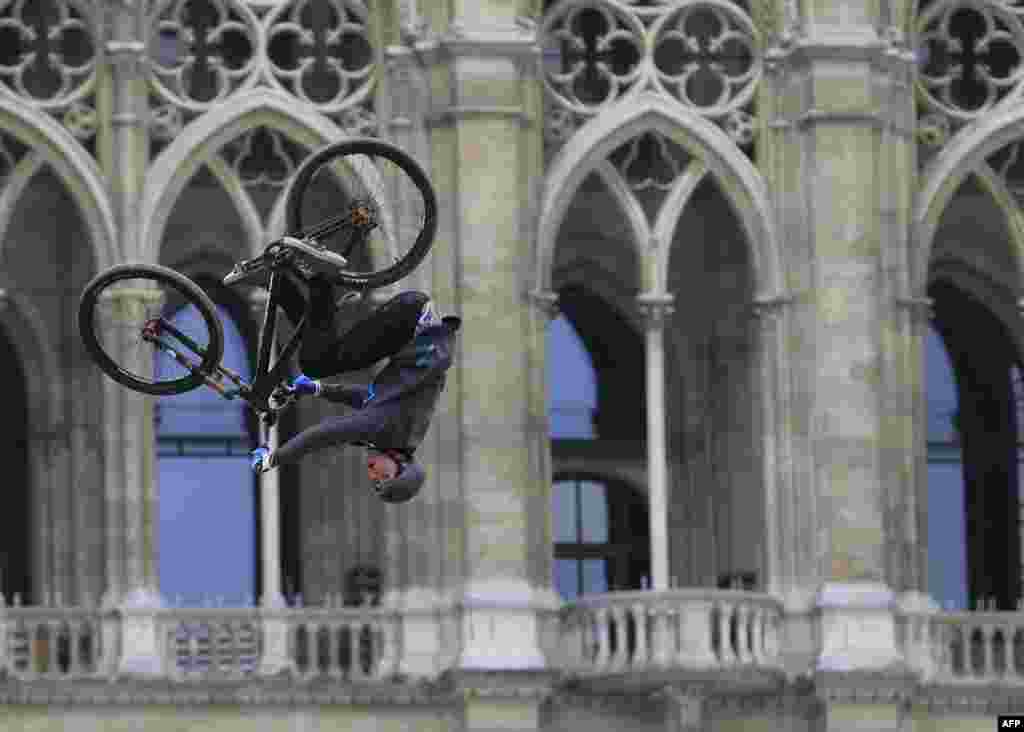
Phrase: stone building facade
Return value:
(754, 214)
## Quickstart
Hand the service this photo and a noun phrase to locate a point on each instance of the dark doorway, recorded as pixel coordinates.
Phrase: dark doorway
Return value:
(15, 545)
(983, 359)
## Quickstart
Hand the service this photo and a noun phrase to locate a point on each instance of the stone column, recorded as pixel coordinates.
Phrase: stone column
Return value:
(838, 156)
(485, 142)
(275, 629)
(656, 308)
(131, 501)
(775, 420)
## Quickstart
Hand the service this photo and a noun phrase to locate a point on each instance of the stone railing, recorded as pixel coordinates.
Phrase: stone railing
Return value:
(343, 643)
(979, 647)
(700, 630)
(50, 643)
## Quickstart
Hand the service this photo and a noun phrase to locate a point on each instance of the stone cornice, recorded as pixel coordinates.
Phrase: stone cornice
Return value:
(276, 691)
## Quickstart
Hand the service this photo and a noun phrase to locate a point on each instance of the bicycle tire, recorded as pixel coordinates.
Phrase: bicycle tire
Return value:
(378, 148)
(191, 293)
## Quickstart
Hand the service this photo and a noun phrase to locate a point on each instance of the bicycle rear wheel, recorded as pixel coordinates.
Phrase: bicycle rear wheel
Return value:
(387, 221)
(124, 319)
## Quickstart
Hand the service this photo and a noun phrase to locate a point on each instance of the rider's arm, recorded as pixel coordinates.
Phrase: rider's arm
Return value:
(353, 396)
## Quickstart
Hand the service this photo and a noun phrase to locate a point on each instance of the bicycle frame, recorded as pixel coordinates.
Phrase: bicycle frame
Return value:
(264, 394)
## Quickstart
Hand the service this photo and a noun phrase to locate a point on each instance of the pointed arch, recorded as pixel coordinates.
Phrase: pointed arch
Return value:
(965, 155)
(74, 167)
(27, 330)
(175, 166)
(709, 146)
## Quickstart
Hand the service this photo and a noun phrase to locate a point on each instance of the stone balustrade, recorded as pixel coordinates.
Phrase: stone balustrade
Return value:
(50, 643)
(687, 630)
(624, 638)
(979, 647)
(343, 643)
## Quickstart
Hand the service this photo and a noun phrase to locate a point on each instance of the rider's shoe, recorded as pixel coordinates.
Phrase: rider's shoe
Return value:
(317, 260)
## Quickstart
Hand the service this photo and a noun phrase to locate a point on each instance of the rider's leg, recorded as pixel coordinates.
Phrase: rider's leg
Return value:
(365, 425)
(313, 298)
(379, 335)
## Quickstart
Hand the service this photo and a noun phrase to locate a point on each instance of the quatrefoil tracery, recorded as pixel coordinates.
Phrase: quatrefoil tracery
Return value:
(704, 54)
(971, 56)
(202, 51)
(47, 51)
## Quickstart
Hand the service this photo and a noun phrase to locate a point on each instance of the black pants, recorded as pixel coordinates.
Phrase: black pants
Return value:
(326, 349)
(362, 425)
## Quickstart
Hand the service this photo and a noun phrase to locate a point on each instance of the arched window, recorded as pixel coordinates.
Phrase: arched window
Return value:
(973, 455)
(207, 531)
(572, 396)
(600, 531)
(15, 544)
(947, 557)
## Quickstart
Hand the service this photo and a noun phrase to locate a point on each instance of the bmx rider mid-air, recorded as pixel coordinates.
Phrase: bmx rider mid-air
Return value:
(393, 412)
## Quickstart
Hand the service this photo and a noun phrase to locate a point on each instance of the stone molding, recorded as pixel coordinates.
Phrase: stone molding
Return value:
(276, 691)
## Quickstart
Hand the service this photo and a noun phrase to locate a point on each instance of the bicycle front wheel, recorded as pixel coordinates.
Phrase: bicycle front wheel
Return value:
(150, 328)
(368, 201)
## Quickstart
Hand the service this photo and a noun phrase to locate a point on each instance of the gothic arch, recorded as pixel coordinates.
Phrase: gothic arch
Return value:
(53, 145)
(715, 154)
(175, 166)
(964, 156)
(27, 330)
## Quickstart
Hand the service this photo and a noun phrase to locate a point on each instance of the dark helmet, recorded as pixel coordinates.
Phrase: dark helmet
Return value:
(404, 486)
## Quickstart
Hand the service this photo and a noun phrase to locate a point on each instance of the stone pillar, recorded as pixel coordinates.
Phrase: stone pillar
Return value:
(656, 308)
(486, 161)
(776, 437)
(275, 628)
(133, 508)
(123, 148)
(839, 158)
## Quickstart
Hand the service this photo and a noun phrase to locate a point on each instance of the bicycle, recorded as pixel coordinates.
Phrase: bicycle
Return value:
(364, 227)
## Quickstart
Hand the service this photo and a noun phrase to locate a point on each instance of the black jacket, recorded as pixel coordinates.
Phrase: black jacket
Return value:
(406, 391)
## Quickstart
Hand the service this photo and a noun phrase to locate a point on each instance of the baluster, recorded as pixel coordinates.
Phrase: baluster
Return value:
(725, 616)
(645, 619)
(334, 666)
(357, 629)
(621, 655)
(758, 614)
(741, 617)
(235, 640)
(603, 644)
(52, 644)
(387, 658)
(74, 642)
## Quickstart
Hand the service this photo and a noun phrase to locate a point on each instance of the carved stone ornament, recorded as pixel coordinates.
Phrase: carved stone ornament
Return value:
(705, 54)
(203, 51)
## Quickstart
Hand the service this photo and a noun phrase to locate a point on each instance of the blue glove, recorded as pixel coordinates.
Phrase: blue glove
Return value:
(260, 459)
(303, 385)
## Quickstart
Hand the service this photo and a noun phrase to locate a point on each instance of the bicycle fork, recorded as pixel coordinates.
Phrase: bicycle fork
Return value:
(151, 333)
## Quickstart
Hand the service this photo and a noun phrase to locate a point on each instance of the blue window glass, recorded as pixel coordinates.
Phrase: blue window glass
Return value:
(947, 547)
(572, 384)
(207, 490)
